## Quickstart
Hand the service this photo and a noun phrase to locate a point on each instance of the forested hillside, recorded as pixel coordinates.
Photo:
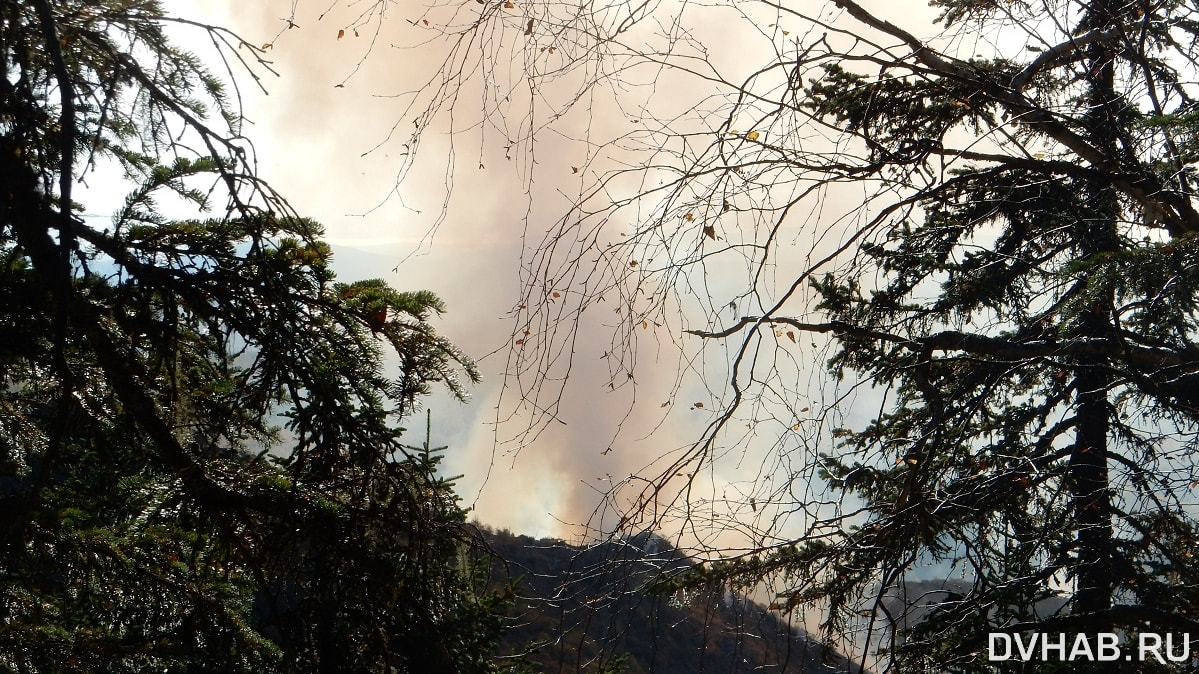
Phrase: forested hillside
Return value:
(584, 608)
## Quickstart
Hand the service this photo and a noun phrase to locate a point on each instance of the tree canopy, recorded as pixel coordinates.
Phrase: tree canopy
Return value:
(984, 232)
(202, 464)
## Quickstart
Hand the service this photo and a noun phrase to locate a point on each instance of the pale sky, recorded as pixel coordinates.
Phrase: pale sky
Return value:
(321, 137)
(310, 136)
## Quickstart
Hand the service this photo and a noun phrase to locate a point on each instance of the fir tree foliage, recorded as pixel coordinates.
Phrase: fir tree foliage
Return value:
(201, 456)
(1027, 298)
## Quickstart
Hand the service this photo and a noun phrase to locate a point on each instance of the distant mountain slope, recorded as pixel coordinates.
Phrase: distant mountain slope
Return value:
(583, 607)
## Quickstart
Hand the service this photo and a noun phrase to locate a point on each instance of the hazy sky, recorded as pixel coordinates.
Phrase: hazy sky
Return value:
(321, 137)
(310, 135)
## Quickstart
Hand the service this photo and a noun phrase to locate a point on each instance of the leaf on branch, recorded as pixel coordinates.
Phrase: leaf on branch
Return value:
(689, 217)
(791, 336)
(752, 135)
(341, 34)
(710, 232)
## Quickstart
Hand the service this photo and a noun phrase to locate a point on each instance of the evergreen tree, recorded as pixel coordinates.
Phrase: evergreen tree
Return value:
(1028, 300)
(201, 465)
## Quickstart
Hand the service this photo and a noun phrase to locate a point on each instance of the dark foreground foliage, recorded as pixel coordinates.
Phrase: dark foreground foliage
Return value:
(201, 465)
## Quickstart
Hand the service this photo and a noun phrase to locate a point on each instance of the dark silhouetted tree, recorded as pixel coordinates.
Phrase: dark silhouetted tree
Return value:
(201, 465)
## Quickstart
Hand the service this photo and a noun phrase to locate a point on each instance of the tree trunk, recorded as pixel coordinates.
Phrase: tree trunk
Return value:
(1088, 471)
